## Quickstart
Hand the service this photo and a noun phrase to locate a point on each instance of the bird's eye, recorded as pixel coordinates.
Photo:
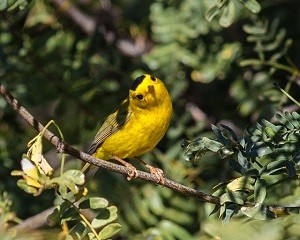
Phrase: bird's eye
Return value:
(139, 97)
(153, 79)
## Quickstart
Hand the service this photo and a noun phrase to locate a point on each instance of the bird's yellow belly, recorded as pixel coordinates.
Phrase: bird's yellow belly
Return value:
(134, 138)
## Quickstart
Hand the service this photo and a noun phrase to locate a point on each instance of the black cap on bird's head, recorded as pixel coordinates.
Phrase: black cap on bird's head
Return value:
(147, 91)
(137, 82)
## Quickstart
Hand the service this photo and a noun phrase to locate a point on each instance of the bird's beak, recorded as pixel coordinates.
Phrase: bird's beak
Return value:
(151, 89)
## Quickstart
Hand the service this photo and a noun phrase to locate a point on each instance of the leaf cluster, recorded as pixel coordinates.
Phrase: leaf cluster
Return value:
(159, 213)
(270, 41)
(227, 9)
(38, 175)
(102, 226)
(265, 156)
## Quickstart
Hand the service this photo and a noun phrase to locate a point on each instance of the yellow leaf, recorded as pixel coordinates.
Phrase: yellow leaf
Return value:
(32, 182)
(31, 174)
(242, 183)
(35, 153)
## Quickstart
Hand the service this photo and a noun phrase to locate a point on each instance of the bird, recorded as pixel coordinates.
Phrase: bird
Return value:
(135, 127)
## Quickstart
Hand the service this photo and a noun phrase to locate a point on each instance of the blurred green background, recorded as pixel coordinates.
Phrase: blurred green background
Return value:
(73, 61)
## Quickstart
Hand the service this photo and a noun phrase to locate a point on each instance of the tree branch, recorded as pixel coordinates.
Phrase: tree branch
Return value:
(63, 147)
(89, 25)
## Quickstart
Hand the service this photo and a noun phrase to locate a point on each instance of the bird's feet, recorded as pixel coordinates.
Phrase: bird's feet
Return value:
(132, 172)
(158, 173)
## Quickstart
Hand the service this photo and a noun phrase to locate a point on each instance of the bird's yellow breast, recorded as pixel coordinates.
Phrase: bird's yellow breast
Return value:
(141, 134)
(148, 122)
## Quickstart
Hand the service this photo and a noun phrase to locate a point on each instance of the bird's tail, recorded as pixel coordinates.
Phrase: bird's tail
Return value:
(89, 171)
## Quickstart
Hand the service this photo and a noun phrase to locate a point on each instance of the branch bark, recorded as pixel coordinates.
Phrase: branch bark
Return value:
(63, 147)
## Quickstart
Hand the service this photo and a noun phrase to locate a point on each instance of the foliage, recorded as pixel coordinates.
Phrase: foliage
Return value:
(38, 175)
(13, 5)
(270, 44)
(103, 220)
(6, 217)
(254, 229)
(227, 9)
(266, 156)
(219, 60)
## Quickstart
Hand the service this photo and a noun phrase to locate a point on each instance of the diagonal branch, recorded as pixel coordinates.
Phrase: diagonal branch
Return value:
(63, 147)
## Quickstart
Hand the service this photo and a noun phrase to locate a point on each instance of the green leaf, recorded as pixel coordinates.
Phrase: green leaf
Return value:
(29, 189)
(177, 231)
(58, 213)
(180, 203)
(177, 216)
(252, 5)
(247, 62)
(131, 217)
(247, 107)
(277, 164)
(75, 176)
(234, 165)
(258, 29)
(211, 145)
(260, 191)
(68, 181)
(154, 199)
(258, 212)
(94, 203)
(53, 218)
(229, 211)
(18, 3)
(233, 197)
(79, 230)
(241, 184)
(291, 169)
(219, 134)
(142, 209)
(110, 230)
(105, 217)
(228, 14)
(215, 210)
(278, 171)
(245, 163)
(259, 151)
(224, 152)
(252, 211)
(231, 132)
(69, 237)
(212, 12)
(63, 212)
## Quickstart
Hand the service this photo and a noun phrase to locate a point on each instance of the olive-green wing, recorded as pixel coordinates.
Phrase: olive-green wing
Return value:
(111, 125)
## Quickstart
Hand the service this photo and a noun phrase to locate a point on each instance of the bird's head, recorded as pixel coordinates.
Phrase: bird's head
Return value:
(147, 92)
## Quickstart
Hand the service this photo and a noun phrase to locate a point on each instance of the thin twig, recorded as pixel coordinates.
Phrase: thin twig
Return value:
(87, 222)
(256, 62)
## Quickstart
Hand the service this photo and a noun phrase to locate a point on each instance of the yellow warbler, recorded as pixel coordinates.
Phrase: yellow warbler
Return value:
(136, 126)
